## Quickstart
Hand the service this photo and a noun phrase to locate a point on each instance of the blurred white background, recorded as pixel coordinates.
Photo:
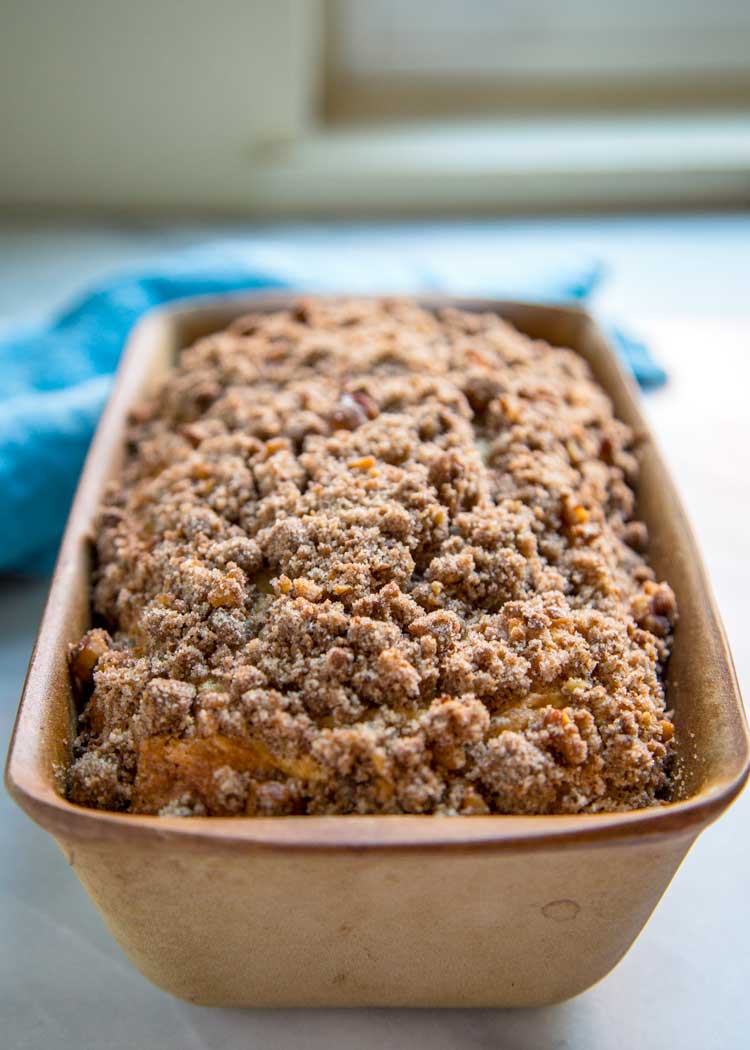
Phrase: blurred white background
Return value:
(295, 107)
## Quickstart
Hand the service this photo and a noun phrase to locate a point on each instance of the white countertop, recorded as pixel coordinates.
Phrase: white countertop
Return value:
(64, 982)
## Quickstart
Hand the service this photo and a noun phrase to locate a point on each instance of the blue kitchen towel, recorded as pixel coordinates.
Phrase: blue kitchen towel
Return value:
(55, 377)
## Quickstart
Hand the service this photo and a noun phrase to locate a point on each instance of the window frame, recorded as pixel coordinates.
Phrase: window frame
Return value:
(708, 67)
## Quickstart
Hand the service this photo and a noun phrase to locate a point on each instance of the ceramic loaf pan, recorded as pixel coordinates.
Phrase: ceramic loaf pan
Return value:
(394, 910)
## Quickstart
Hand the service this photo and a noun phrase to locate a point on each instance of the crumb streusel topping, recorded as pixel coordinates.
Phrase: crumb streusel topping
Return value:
(364, 558)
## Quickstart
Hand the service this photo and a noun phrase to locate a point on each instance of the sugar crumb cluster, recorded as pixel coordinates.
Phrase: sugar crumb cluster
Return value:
(366, 558)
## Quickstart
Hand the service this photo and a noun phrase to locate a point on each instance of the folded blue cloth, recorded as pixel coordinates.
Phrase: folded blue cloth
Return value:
(56, 377)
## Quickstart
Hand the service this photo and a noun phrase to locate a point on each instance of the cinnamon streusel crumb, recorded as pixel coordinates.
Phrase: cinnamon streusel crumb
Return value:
(364, 558)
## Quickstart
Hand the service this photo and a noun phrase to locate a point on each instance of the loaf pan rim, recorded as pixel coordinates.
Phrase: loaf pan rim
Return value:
(66, 820)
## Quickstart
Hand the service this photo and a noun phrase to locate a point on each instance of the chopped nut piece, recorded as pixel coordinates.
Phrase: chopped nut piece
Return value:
(307, 589)
(352, 410)
(85, 654)
(366, 403)
(363, 463)
(228, 592)
(574, 514)
(667, 729)
(636, 535)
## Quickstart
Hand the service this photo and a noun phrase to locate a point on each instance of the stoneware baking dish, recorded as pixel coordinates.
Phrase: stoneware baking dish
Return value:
(395, 910)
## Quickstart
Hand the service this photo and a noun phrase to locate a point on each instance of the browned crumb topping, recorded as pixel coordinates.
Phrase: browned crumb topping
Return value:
(367, 559)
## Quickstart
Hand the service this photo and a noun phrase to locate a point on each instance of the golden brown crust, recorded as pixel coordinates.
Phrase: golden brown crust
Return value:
(363, 558)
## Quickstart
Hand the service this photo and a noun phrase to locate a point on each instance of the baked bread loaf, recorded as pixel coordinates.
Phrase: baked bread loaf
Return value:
(364, 558)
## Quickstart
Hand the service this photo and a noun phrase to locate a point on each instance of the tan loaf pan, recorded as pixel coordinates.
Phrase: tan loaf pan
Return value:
(398, 910)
